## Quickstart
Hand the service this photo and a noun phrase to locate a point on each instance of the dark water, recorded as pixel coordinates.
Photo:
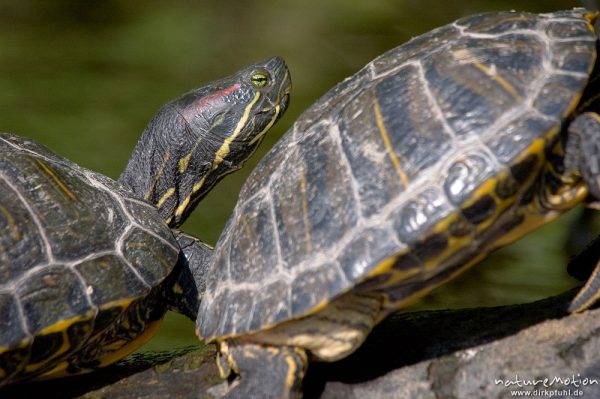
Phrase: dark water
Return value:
(85, 77)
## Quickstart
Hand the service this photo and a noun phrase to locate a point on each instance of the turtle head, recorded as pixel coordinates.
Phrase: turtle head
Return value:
(196, 139)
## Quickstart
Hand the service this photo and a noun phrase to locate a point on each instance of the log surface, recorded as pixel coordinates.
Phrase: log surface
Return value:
(465, 353)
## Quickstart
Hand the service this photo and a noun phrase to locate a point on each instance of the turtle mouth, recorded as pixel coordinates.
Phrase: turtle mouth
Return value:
(282, 102)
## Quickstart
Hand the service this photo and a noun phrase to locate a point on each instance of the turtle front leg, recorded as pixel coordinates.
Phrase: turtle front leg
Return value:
(586, 266)
(582, 155)
(270, 372)
(187, 283)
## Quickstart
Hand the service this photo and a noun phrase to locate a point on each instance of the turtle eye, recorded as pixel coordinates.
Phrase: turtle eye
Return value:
(259, 80)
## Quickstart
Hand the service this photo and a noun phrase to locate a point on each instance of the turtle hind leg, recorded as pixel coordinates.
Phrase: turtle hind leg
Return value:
(582, 155)
(269, 372)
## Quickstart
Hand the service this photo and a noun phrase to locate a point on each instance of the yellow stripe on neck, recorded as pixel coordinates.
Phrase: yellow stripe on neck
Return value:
(159, 173)
(224, 150)
(165, 197)
(184, 162)
(221, 153)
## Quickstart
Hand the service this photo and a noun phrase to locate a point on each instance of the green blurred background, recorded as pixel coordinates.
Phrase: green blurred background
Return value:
(84, 77)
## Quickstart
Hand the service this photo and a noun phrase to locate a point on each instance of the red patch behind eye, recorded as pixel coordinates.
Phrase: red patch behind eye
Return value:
(198, 106)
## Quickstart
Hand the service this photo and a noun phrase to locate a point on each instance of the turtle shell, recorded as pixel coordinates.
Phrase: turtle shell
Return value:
(75, 251)
(418, 152)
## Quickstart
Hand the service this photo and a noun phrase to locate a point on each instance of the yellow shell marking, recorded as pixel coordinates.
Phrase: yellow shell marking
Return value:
(488, 188)
(12, 224)
(64, 324)
(419, 294)
(121, 348)
(247, 229)
(119, 353)
(388, 143)
(23, 344)
(59, 327)
(60, 369)
(307, 236)
(385, 266)
(149, 332)
(499, 79)
(70, 195)
(533, 219)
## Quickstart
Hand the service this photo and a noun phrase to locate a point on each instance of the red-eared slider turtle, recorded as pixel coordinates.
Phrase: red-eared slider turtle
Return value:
(88, 265)
(399, 178)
